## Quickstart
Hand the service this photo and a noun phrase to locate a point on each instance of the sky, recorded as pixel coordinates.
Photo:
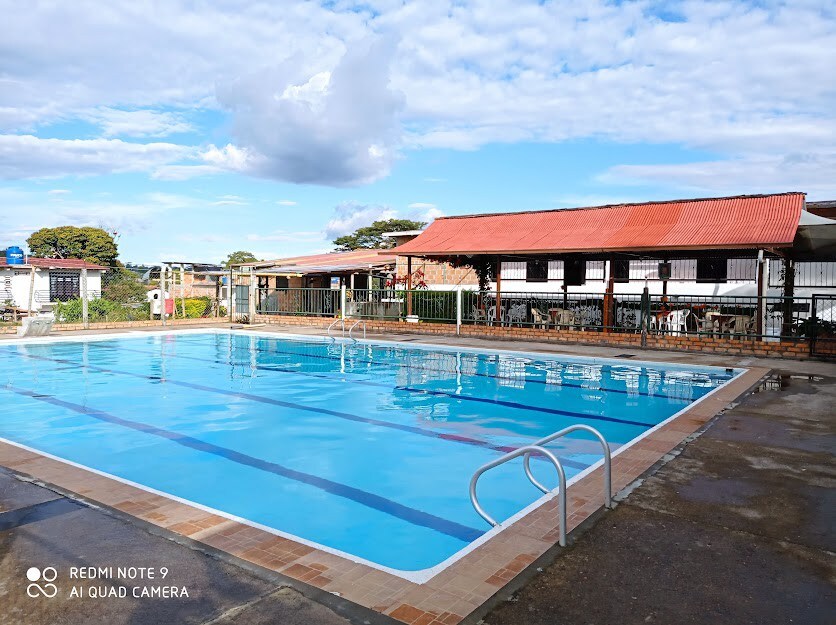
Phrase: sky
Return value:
(194, 129)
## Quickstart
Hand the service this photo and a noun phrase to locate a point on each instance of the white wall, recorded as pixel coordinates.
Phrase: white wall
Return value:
(15, 285)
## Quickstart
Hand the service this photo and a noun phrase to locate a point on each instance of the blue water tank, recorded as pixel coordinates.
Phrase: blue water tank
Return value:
(14, 255)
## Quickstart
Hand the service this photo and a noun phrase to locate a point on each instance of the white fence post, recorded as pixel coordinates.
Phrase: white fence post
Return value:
(342, 302)
(252, 294)
(162, 294)
(85, 309)
(458, 311)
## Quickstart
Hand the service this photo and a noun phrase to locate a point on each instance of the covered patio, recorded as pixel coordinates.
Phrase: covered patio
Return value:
(718, 266)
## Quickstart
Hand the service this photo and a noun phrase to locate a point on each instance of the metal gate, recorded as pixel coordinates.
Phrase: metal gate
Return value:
(241, 300)
(823, 330)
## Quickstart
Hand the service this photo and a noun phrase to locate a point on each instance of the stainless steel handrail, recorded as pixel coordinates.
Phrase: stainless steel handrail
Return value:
(335, 322)
(354, 326)
(564, 432)
(525, 451)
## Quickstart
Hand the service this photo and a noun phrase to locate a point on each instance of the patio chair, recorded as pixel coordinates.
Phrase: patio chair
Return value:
(517, 314)
(563, 318)
(492, 315)
(541, 320)
(676, 321)
(478, 314)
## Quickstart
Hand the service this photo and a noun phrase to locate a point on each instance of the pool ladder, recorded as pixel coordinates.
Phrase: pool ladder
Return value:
(335, 322)
(538, 448)
(351, 329)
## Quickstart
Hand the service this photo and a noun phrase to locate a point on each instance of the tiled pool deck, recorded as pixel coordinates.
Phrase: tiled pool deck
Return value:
(448, 597)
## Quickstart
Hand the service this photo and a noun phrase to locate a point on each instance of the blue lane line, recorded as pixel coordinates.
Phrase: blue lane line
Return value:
(421, 368)
(407, 389)
(370, 500)
(456, 438)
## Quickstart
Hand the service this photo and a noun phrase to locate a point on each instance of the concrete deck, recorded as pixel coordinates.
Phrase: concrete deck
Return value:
(738, 528)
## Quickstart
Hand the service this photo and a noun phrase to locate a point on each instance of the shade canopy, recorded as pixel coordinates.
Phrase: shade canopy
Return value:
(740, 222)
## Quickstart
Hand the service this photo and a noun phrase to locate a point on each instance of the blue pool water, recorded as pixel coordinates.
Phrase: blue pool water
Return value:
(366, 449)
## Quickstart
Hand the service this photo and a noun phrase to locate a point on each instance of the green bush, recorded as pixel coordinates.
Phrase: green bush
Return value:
(99, 310)
(196, 307)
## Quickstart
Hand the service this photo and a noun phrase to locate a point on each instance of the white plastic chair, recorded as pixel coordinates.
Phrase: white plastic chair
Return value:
(516, 314)
(676, 321)
(541, 320)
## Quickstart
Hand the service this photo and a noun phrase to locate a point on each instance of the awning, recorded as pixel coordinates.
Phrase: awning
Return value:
(740, 222)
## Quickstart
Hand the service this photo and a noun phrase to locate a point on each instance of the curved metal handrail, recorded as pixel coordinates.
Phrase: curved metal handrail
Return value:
(354, 326)
(524, 451)
(335, 322)
(564, 432)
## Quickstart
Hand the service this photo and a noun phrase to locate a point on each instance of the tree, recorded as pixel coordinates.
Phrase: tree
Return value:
(236, 258)
(371, 237)
(91, 244)
(123, 286)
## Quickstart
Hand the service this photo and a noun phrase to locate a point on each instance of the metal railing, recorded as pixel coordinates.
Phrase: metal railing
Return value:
(538, 448)
(528, 449)
(298, 301)
(351, 329)
(331, 326)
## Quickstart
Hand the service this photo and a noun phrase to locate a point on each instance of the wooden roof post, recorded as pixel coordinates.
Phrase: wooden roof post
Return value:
(498, 309)
(609, 321)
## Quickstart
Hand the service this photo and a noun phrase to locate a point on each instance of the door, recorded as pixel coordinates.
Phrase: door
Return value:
(823, 334)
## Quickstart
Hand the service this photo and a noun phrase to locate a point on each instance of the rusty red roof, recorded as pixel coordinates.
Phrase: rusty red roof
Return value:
(360, 259)
(55, 263)
(746, 221)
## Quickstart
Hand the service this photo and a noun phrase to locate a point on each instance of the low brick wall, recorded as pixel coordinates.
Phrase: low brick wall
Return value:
(797, 349)
(115, 325)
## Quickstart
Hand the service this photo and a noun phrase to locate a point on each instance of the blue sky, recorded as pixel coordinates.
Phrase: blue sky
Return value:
(274, 127)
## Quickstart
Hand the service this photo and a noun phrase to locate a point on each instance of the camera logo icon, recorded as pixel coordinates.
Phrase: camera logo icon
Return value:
(41, 582)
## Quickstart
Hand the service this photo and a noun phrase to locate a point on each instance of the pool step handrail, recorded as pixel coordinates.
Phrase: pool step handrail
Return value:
(351, 329)
(335, 322)
(561, 433)
(524, 451)
(537, 447)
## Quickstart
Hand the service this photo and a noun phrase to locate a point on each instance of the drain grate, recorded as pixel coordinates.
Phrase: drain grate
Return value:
(624, 356)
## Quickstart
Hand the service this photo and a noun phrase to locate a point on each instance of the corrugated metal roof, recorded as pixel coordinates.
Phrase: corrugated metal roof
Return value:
(711, 223)
(333, 261)
(54, 263)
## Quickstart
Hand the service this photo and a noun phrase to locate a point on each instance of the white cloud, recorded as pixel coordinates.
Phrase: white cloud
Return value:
(348, 216)
(58, 191)
(766, 173)
(286, 236)
(26, 156)
(286, 203)
(335, 128)
(424, 211)
(311, 101)
(139, 123)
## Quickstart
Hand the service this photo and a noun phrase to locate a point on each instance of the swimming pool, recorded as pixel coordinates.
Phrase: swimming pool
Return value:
(363, 449)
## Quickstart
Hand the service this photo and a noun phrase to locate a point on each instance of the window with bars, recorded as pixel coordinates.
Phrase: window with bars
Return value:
(537, 271)
(64, 285)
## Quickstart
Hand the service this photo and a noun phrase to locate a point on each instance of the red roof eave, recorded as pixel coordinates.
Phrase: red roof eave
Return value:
(740, 222)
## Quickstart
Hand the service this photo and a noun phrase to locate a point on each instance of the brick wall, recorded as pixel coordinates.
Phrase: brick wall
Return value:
(797, 349)
(439, 274)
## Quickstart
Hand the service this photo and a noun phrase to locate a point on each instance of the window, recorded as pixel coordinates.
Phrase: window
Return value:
(621, 270)
(282, 282)
(712, 270)
(537, 271)
(574, 272)
(64, 285)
